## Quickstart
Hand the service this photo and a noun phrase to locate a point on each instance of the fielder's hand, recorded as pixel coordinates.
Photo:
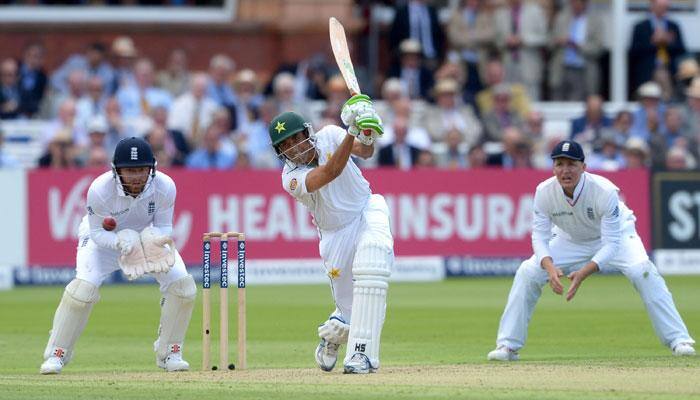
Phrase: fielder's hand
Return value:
(158, 249)
(554, 280)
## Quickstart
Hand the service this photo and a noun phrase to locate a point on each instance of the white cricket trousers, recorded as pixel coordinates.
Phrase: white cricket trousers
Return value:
(338, 247)
(631, 260)
(94, 264)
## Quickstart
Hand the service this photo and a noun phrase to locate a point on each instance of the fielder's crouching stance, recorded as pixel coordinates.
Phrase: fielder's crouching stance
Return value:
(353, 224)
(141, 200)
(579, 227)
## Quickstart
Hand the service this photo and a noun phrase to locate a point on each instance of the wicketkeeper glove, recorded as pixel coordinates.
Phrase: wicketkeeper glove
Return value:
(158, 249)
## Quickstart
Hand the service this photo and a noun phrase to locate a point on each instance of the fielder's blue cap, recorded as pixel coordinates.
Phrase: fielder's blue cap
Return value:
(568, 149)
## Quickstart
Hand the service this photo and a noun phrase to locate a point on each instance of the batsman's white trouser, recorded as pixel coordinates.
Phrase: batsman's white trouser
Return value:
(359, 259)
(631, 260)
(93, 266)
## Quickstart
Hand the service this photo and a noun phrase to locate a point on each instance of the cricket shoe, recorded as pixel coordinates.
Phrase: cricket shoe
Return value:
(684, 349)
(173, 361)
(358, 364)
(326, 355)
(53, 365)
(503, 353)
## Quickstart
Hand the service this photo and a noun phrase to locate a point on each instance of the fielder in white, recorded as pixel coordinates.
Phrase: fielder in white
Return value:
(353, 225)
(579, 227)
(142, 201)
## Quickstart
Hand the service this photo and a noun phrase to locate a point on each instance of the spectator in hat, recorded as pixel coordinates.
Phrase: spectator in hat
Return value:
(649, 116)
(449, 113)
(521, 35)
(657, 43)
(577, 45)
(688, 70)
(93, 62)
(679, 159)
(413, 74)
(418, 20)
(124, 54)
(502, 116)
(636, 153)
(495, 75)
(61, 152)
(175, 78)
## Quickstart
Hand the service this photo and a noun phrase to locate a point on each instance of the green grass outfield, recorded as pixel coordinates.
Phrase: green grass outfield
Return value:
(434, 346)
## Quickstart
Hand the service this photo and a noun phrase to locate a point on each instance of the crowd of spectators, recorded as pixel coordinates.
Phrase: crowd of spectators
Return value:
(459, 94)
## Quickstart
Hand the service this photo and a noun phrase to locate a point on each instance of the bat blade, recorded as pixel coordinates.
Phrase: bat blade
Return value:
(339, 44)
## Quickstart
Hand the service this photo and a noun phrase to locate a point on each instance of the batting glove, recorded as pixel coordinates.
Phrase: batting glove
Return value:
(355, 106)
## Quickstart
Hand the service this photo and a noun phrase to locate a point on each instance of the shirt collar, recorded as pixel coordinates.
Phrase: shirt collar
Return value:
(577, 191)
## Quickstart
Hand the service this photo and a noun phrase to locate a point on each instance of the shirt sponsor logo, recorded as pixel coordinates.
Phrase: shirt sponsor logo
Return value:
(90, 210)
(616, 211)
(115, 213)
(563, 213)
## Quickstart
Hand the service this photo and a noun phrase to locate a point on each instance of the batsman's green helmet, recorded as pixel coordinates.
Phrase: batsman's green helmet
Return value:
(286, 125)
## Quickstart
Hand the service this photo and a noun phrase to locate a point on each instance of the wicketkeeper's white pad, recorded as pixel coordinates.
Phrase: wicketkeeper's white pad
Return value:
(371, 270)
(175, 313)
(70, 319)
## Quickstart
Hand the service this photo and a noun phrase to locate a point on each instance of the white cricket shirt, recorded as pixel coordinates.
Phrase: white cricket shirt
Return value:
(594, 213)
(106, 198)
(340, 201)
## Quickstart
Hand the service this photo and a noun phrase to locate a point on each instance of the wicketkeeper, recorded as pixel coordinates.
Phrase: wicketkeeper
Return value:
(142, 201)
(353, 225)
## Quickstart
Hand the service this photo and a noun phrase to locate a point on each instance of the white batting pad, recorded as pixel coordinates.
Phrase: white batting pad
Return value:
(70, 319)
(371, 270)
(175, 314)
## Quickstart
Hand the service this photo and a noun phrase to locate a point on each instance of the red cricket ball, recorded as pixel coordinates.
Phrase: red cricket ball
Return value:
(109, 224)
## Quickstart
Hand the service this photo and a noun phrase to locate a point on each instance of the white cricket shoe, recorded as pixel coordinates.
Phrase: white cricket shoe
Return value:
(358, 364)
(53, 365)
(173, 361)
(503, 353)
(684, 349)
(326, 355)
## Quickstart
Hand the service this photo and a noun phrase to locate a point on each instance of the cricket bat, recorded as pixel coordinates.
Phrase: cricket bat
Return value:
(339, 44)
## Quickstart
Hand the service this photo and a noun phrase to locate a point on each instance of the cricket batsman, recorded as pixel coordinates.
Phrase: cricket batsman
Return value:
(580, 227)
(353, 226)
(141, 200)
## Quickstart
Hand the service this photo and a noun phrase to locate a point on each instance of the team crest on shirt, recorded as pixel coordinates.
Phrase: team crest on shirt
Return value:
(334, 273)
(293, 184)
(589, 212)
(151, 207)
